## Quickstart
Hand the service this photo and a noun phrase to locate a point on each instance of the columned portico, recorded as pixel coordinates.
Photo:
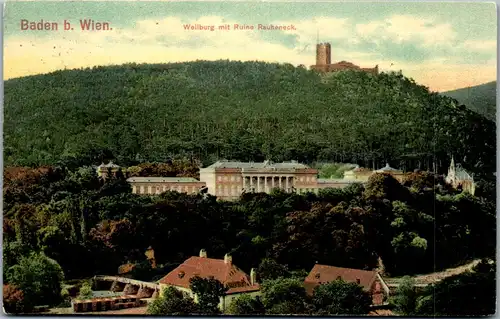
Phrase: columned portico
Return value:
(265, 183)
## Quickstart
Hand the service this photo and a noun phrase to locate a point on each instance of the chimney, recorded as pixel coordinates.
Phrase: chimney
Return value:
(228, 259)
(203, 253)
(253, 277)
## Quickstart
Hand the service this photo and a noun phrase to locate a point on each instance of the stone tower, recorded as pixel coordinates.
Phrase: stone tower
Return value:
(323, 54)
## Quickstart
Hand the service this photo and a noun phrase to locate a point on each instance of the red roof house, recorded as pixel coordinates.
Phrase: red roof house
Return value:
(369, 280)
(223, 270)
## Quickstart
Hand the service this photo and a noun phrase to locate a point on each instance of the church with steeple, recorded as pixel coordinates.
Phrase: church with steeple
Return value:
(459, 178)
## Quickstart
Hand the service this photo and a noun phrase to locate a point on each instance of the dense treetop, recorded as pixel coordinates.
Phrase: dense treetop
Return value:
(238, 110)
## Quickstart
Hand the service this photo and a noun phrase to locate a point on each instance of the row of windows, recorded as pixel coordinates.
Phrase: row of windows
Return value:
(231, 178)
(226, 192)
(161, 189)
(234, 178)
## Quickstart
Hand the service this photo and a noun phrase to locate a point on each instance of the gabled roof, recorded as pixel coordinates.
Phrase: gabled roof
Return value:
(387, 168)
(462, 174)
(321, 274)
(226, 273)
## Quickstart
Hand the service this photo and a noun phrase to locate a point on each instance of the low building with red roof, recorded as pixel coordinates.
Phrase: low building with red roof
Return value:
(235, 279)
(370, 280)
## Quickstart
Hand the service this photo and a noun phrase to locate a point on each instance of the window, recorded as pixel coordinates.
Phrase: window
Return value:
(232, 178)
(219, 178)
(302, 179)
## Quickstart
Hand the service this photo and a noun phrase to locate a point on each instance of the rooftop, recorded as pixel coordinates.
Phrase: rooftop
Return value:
(462, 174)
(265, 164)
(334, 180)
(204, 267)
(387, 168)
(162, 179)
(324, 274)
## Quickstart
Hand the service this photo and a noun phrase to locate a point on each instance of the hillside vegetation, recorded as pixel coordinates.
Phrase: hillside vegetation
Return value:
(238, 110)
(481, 99)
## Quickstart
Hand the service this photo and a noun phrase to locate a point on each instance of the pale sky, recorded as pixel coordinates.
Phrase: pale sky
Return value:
(441, 45)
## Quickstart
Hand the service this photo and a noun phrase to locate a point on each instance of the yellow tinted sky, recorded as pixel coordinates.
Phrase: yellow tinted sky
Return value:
(442, 46)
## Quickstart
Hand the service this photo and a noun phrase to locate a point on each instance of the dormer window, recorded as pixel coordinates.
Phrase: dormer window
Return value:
(339, 278)
(181, 274)
(317, 275)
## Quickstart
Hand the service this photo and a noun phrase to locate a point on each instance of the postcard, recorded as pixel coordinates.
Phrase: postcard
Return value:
(249, 158)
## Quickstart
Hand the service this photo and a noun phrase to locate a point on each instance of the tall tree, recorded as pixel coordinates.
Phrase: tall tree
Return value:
(172, 302)
(284, 296)
(209, 292)
(341, 298)
(39, 277)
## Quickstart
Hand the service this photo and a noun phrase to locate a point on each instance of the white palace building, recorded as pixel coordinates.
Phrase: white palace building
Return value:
(229, 179)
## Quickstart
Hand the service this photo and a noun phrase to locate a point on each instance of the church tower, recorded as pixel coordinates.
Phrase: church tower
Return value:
(451, 172)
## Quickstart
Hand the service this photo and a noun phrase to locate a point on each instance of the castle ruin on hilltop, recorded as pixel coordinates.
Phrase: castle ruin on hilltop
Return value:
(324, 63)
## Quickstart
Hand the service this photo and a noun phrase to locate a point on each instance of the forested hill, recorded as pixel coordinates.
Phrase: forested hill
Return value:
(480, 98)
(238, 110)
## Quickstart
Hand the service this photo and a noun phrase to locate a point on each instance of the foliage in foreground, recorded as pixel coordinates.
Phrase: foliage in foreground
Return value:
(208, 291)
(172, 302)
(340, 298)
(246, 305)
(472, 293)
(39, 278)
(469, 294)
